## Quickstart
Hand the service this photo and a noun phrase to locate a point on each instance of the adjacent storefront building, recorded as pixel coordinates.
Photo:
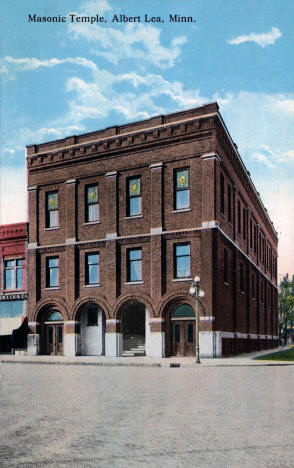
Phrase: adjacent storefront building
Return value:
(13, 292)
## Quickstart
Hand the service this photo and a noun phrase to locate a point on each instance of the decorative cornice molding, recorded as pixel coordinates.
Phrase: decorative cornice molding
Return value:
(52, 249)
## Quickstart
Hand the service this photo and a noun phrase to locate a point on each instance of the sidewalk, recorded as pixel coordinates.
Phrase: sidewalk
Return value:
(241, 360)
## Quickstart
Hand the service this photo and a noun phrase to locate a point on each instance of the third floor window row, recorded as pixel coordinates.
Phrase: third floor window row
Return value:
(181, 201)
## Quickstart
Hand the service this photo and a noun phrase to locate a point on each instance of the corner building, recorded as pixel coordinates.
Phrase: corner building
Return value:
(122, 219)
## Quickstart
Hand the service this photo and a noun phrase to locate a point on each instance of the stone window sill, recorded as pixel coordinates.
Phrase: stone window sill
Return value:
(50, 288)
(54, 228)
(183, 279)
(96, 285)
(182, 210)
(89, 223)
(134, 217)
(133, 282)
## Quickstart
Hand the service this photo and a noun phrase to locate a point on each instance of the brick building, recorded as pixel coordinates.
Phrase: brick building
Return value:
(122, 219)
(13, 292)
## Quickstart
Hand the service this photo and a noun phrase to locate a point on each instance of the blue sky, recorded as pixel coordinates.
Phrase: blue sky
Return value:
(59, 79)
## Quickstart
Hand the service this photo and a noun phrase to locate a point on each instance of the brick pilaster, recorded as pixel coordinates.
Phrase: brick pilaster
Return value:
(156, 197)
(112, 204)
(33, 213)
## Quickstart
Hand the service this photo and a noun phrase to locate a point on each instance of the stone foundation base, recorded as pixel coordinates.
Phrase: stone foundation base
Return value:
(33, 345)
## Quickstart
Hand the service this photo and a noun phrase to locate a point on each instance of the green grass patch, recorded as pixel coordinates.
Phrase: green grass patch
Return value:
(287, 355)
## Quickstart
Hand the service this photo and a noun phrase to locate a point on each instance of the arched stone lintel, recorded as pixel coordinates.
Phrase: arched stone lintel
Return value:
(100, 301)
(143, 298)
(50, 303)
(177, 298)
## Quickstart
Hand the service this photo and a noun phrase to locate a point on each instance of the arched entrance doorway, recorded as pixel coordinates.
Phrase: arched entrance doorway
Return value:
(183, 331)
(133, 327)
(91, 330)
(53, 332)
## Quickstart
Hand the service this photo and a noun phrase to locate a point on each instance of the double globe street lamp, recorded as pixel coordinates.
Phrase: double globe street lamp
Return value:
(196, 292)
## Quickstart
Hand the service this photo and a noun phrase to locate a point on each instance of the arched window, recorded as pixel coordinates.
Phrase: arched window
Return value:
(54, 316)
(183, 311)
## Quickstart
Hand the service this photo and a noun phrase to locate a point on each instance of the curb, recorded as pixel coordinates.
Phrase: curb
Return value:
(142, 364)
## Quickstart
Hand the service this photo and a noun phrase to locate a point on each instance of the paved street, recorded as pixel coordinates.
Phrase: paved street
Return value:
(95, 416)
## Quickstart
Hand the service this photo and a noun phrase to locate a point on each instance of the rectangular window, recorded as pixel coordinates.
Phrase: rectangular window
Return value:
(241, 277)
(222, 189)
(52, 272)
(255, 239)
(251, 234)
(190, 332)
(134, 261)
(182, 190)
(182, 261)
(134, 198)
(92, 316)
(52, 210)
(13, 274)
(92, 204)
(244, 224)
(261, 291)
(229, 203)
(253, 286)
(225, 266)
(239, 217)
(92, 268)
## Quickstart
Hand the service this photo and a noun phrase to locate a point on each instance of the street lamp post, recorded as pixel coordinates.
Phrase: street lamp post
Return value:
(196, 292)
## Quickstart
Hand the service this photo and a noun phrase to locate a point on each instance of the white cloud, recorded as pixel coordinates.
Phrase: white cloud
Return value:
(290, 154)
(32, 63)
(144, 96)
(260, 157)
(10, 151)
(263, 39)
(286, 105)
(93, 7)
(134, 41)
(12, 195)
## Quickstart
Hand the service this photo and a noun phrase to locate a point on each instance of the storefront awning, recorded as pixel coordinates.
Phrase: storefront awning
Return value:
(12, 314)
